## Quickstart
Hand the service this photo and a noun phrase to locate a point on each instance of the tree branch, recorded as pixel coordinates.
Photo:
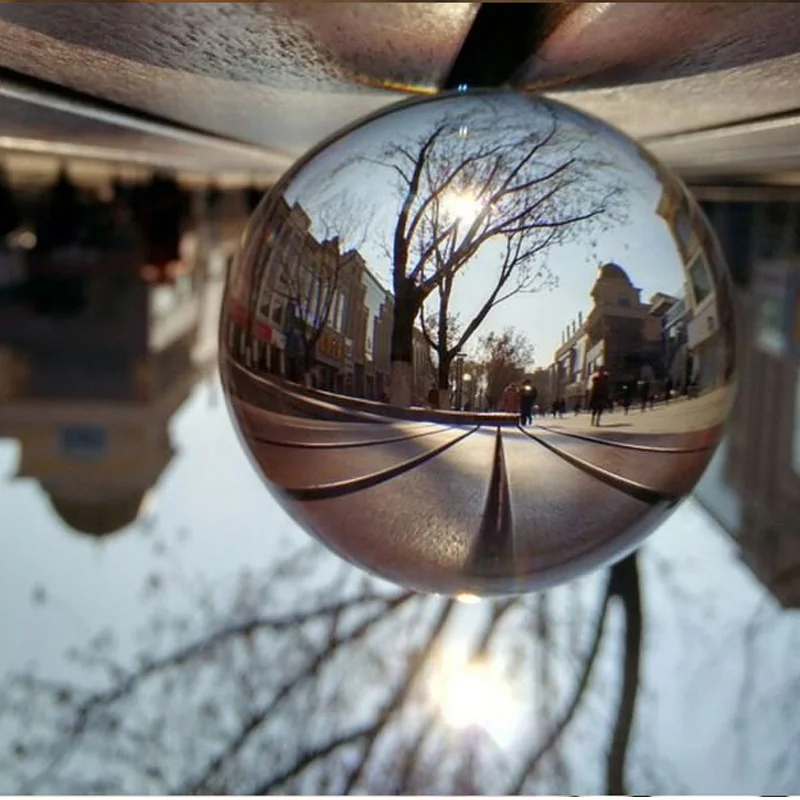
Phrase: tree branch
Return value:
(569, 712)
(416, 663)
(259, 716)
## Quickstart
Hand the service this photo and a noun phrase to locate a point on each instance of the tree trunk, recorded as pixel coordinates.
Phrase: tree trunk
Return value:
(406, 307)
(443, 377)
(625, 584)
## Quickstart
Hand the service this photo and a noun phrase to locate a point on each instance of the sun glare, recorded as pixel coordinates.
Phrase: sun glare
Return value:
(475, 695)
(463, 206)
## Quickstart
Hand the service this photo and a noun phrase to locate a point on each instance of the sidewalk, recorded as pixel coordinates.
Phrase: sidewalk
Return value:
(680, 415)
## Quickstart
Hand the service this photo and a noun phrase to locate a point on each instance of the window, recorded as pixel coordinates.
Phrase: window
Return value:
(701, 285)
(83, 442)
(624, 301)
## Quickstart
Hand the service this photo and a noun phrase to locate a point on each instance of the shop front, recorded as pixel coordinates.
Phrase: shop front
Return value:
(330, 360)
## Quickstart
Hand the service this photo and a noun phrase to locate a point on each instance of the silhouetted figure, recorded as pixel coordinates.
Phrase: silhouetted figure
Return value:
(161, 208)
(667, 390)
(644, 393)
(527, 397)
(598, 396)
(61, 218)
(627, 397)
(509, 402)
(433, 397)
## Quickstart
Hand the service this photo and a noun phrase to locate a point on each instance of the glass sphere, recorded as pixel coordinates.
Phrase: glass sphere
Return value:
(478, 343)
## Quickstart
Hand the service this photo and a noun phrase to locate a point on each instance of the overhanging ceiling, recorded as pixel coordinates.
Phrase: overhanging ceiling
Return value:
(284, 76)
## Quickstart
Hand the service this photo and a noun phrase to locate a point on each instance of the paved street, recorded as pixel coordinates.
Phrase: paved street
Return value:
(463, 507)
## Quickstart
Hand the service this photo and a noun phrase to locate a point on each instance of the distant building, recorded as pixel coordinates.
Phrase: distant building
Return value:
(94, 361)
(620, 332)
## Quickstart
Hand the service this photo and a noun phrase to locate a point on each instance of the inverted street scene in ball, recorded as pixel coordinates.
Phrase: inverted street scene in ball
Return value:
(479, 343)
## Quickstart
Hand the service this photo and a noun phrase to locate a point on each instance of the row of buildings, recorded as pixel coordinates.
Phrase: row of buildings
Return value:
(307, 309)
(684, 339)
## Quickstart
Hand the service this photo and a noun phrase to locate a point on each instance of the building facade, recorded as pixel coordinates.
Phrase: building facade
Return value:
(96, 356)
(620, 332)
(755, 491)
(317, 314)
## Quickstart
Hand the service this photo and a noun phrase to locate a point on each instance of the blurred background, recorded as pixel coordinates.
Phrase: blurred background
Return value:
(166, 626)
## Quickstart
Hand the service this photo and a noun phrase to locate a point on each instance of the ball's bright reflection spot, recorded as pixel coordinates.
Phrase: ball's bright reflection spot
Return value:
(474, 694)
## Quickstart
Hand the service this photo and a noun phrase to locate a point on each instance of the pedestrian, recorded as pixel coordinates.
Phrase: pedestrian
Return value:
(598, 395)
(644, 394)
(627, 397)
(527, 397)
(667, 390)
(509, 402)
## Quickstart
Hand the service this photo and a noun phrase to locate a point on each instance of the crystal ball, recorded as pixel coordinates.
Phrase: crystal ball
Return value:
(478, 343)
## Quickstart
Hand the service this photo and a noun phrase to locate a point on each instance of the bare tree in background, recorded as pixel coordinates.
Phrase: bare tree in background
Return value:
(467, 187)
(505, 356)
(310, 678)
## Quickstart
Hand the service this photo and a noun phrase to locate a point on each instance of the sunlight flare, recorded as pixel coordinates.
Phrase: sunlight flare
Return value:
(461, 206)
(474, 694)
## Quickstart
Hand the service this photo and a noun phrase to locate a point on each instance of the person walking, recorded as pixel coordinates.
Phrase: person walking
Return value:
(627, 397)
(598, 396)
(527, 397)
(645, 393)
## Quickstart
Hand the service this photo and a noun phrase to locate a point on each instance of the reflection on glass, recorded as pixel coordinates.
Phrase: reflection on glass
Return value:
(104, 306)
(479, 343)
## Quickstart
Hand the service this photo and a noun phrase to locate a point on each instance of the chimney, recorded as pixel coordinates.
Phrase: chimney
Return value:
(580, 318)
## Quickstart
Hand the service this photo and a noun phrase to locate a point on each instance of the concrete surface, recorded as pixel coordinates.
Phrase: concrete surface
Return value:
(285, 76)
(458, 507)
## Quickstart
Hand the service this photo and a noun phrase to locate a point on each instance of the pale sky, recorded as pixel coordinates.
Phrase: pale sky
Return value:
(217, 521)
(643, 246)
